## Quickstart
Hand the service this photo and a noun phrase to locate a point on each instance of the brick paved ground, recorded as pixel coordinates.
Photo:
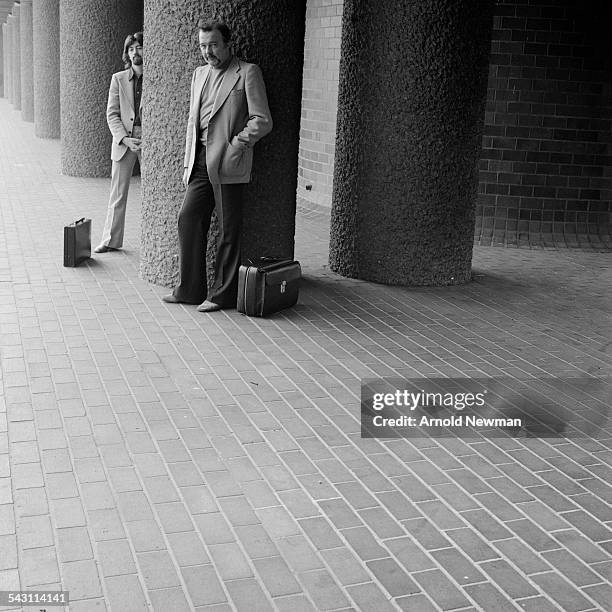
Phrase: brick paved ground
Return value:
(156, 458)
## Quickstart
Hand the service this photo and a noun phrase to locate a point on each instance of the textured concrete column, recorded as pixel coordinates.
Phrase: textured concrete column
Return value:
(5, 52)
(94, 30)
(46, 69)
(5, 9)
(270, 34)
(16, 59)
(410, 114)
(27, 67)
(8, 81)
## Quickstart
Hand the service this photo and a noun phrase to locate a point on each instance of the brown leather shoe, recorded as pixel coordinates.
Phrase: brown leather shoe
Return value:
(207, 306)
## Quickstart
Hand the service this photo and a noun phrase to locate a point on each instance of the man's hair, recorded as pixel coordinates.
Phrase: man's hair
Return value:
(208, 25)
(129, 41)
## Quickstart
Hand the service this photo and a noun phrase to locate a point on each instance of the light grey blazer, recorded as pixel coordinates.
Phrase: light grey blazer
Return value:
(120, 113)
(239, 118)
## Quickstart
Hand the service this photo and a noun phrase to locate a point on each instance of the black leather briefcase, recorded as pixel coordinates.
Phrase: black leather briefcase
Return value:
(77, 242)
(268, 286)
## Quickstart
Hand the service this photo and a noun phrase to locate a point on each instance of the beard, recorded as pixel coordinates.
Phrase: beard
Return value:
(137, 61)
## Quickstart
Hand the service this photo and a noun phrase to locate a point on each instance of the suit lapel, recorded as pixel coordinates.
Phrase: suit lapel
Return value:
(229, 80)
(127, 87)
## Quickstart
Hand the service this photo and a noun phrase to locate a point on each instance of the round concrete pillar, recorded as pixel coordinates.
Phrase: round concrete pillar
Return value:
(27, 67)
(411, 103)
(3, 54)
(270, 34)
(5, 10)
(91, 44)
(16, 59)
(46, 69)
(5, 60)
(9, 59)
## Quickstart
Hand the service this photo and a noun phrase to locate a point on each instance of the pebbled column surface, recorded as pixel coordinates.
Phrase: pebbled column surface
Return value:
(92, 34)
(46, 51)
(3, 60)
(270, 34)
(16, 59)
(410, 113)
(6, 59)
(27, 66)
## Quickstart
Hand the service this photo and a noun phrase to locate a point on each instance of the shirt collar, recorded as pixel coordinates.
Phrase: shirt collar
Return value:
(132, 74)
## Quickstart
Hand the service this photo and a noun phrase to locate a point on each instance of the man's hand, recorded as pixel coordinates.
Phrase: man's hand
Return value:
(131, 143)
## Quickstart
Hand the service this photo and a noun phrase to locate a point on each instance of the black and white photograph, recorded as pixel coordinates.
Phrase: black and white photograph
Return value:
(306, 306)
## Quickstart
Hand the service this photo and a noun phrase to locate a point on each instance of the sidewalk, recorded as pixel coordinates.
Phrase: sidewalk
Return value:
(157, 458)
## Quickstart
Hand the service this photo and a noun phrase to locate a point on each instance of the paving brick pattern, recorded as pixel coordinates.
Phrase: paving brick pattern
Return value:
(156, 458)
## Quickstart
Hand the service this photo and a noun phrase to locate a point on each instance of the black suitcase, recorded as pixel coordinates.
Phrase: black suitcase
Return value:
(77, 242)
(268, 286)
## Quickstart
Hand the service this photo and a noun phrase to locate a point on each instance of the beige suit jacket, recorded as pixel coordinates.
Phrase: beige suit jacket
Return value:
(239, 118)
(120, 113)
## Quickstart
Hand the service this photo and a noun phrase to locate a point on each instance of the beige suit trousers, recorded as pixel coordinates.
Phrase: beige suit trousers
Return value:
(121, 173)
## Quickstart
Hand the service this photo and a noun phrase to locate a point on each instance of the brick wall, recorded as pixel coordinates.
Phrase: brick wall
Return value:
(545, 166)
(319, 101)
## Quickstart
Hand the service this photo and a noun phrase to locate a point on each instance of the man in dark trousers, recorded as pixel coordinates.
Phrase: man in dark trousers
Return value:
(123, 118)
(228, 114)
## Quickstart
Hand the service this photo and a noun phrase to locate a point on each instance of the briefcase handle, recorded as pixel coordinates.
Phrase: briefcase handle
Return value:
(79, 221)
(266, 260)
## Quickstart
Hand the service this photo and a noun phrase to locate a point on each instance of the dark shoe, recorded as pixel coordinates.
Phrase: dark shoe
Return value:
(171, 299)
(207, 306)
(103, 249)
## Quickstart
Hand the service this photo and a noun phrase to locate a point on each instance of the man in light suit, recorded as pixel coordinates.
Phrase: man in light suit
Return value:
(228, 114)
(123, 115)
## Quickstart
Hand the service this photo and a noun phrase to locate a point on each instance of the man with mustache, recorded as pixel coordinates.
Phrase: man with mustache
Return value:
(123, 115)
(228, 114)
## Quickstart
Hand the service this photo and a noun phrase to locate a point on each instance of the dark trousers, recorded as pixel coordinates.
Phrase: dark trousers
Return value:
(201, 198)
